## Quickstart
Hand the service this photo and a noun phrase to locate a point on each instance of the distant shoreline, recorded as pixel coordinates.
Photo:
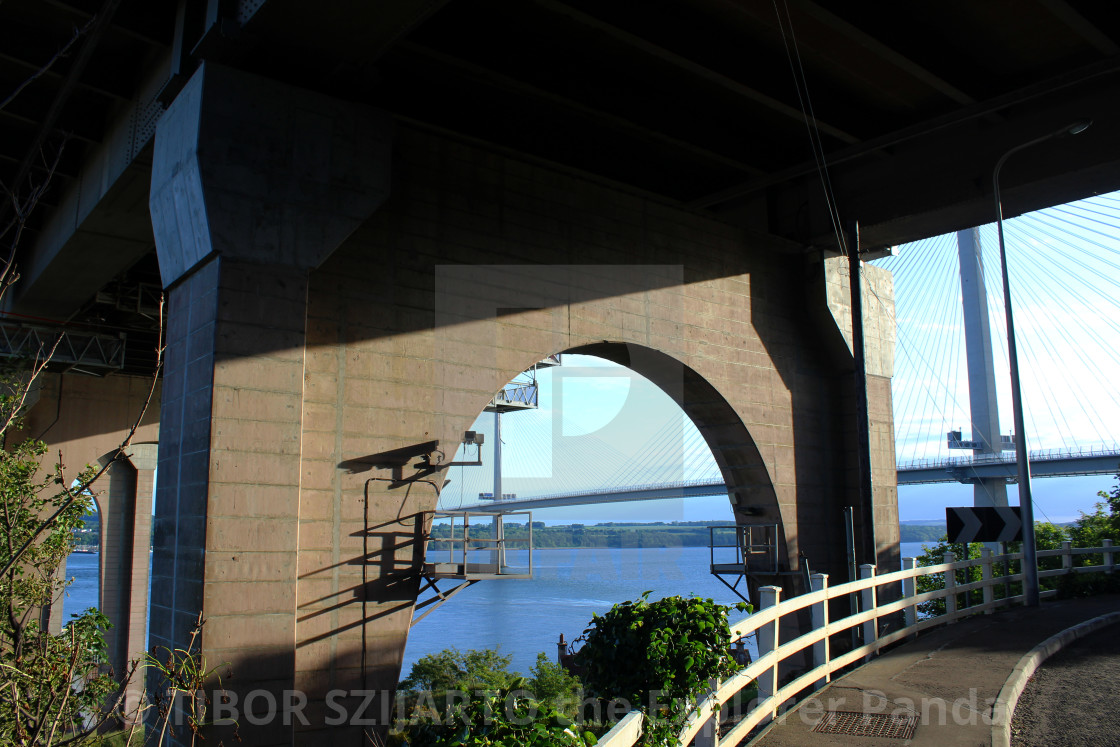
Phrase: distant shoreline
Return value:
(649, 535)
(608, 535)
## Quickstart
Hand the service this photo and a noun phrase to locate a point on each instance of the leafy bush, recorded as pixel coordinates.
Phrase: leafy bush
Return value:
(551, 684)
(1103, 523)
(1047, 537)
(934, 555)
(452, 669)
(506, 717)
(658, 656)
(52, 684)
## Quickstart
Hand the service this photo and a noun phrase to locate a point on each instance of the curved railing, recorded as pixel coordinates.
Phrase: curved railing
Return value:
(773, 652)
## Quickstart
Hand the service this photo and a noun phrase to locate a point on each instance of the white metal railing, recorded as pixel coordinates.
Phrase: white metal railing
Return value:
(753, 546)
(462, 546)
(900, 597)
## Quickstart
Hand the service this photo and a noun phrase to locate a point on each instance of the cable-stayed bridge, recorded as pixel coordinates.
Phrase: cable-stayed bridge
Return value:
(1064, 264)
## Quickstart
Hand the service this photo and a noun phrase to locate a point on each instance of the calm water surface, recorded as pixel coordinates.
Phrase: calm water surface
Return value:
(524, 617)
(82, 594)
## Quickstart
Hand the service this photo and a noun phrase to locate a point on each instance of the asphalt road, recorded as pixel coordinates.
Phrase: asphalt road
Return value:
(1074, 697)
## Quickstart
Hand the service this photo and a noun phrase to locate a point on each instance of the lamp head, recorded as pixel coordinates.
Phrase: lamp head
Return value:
(1074, 129)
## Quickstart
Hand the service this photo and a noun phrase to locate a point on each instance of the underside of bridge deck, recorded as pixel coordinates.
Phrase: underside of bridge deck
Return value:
(368, 217)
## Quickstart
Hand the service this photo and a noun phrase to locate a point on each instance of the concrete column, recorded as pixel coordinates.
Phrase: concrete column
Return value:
(126, 530)
(116, 506)
(253, 184)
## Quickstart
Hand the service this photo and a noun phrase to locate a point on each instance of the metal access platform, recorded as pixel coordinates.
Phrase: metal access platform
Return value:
(478, 556)
(522, 392)
(472, 556)
(749, 553)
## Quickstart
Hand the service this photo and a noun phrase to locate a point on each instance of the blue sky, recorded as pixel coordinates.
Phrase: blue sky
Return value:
(596, 417)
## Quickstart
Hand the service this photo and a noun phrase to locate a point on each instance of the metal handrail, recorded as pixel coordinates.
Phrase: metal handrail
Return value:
(464, 543)
(772, 651)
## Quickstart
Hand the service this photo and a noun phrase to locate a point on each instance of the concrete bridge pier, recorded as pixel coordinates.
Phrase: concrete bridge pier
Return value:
(253, 184)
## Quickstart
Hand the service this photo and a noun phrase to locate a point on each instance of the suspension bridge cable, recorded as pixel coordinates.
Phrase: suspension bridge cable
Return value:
(801, 84)
(1036, 284)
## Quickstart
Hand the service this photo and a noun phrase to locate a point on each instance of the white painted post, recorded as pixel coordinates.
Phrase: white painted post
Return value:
(818, 615)
(950, 588)
(868, 598)
(909, 590)
(986, 575)
(1067, 556)
(769, 596)
(1109, 565)
(709, 732)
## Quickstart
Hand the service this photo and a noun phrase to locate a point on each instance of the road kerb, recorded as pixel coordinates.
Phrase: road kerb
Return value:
(1004, 708)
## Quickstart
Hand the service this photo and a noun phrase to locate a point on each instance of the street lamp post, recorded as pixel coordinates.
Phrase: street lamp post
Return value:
(1026, 507)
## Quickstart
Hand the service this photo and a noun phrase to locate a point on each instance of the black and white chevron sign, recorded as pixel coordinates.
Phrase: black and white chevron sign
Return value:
(984, 524)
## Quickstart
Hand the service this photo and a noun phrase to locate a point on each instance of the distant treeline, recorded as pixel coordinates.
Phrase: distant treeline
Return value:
(656, 534)
(921, 532)
(89, 534)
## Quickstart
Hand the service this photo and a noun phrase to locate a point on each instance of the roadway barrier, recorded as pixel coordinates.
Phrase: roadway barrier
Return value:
(898, 589)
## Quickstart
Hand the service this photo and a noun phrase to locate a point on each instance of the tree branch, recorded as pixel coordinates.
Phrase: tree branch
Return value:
(78, 32)
(73, 494)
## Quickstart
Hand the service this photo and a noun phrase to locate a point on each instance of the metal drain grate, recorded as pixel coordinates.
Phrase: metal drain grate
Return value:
(885, 725)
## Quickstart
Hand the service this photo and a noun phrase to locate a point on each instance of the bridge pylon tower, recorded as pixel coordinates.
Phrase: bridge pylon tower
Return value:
(983, 407)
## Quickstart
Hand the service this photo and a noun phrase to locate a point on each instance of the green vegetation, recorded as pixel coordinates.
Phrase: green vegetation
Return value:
(87, 535)
(654, 656)
(452, 669)
(471, 698)
(1103, 523)
(1047, 537)
(920, 532)
(551, 683)
(505, 717)
(51, 683)
(657, 657)
(1088, 531)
